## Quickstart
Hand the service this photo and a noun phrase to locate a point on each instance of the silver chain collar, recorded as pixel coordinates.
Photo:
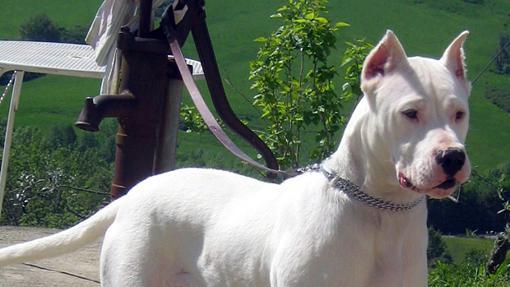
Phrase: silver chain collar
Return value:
(355, 192)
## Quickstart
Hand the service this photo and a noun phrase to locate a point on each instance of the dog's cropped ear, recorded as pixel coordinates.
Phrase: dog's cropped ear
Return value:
(382, 60)
(453, 56)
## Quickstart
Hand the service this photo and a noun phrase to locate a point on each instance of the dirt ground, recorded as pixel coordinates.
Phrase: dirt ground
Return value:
(61, 271)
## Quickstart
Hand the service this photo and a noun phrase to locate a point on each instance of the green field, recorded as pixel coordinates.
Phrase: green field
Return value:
(425, 27)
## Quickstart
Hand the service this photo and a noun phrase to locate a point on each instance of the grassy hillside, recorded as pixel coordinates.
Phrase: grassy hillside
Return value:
(425, 27)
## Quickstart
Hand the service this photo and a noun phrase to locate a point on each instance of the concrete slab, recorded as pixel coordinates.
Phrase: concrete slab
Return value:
(54, 272)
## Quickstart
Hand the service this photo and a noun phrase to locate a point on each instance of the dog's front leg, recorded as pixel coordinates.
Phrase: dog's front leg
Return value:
(415, 271)
(305, 271)
(415, 259)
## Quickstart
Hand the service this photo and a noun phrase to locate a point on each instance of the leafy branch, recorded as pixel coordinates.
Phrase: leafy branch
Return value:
(294, 81)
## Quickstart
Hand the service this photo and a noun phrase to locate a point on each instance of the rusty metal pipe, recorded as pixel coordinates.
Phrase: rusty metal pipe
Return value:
(145, 73)
(145, 17)
(97, 108)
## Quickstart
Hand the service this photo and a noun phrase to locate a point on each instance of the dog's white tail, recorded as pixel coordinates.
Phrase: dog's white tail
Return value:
(63, 242)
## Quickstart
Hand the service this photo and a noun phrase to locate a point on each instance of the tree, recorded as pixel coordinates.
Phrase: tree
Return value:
(40, 28)
(294, 81)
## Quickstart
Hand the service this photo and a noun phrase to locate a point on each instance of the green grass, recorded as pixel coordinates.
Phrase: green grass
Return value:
(459, 247)
(425, 27)
(67, 13)
(52, 99)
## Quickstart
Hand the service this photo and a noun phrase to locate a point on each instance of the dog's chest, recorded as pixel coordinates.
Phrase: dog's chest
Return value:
(350, 247)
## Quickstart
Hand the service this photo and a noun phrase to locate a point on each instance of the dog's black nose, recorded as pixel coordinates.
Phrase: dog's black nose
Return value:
(452, 160)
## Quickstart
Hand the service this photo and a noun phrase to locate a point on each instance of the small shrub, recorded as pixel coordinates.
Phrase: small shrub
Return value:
(190, 120)
(51, 182)
(74, 35)
(40, 28)
(502, 63)
(499, 96)
(476, 257)
(437, 250)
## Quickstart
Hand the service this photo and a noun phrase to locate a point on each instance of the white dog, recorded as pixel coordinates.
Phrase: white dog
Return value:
(360, 220)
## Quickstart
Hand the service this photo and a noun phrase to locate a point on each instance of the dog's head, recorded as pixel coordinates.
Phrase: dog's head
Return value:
(420, 114)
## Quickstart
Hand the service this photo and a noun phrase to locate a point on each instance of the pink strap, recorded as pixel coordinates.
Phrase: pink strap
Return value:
(206, 114)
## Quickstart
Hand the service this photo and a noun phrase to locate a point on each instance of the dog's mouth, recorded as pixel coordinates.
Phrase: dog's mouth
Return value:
(447, 184)
(406, 183)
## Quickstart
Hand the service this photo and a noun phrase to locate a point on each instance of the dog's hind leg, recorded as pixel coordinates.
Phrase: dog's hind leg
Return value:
(129, 260)
(132, 256)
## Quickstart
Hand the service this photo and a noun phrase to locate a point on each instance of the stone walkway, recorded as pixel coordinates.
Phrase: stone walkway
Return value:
(84, 263)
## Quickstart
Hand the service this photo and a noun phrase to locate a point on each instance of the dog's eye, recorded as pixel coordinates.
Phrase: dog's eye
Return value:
(459, 115)
(411, 114)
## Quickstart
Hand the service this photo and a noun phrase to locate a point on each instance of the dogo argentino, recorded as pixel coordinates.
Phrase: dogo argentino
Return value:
(358, 220)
